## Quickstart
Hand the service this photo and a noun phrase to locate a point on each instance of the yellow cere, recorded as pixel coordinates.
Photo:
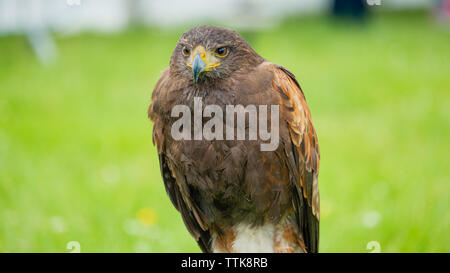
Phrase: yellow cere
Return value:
(208, 57)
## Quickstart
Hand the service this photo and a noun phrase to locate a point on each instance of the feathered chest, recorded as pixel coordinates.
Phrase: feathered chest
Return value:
(196, 141)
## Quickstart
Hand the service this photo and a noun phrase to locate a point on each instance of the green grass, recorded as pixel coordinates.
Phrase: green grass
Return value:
(77, 162)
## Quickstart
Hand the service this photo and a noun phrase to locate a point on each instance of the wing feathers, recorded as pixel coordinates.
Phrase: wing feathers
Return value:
(174, 181)
(305, 153)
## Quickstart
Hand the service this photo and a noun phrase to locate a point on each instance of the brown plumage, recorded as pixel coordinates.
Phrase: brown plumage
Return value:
(227, 189)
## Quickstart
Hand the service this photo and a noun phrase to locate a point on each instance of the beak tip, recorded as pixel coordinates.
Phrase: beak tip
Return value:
(198, 66)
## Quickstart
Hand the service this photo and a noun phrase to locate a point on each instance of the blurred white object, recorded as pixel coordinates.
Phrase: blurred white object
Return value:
(69, 16)
(371, 218)
(42, 44)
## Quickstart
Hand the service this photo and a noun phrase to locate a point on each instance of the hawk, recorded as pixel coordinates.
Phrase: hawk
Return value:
(232, 195)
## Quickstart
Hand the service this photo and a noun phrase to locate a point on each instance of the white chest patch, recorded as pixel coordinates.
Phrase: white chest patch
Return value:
(253, 239)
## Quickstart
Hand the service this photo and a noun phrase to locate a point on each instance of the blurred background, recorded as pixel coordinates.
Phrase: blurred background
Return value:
(78, 171)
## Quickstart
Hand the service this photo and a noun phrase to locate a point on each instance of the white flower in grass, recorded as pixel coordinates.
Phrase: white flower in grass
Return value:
(57, 224)
(371, 218)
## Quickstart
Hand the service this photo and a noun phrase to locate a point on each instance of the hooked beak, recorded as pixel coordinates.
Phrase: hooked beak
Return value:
(198, 66)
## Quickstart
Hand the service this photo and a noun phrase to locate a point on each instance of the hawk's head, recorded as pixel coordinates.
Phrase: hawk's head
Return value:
(212, 52)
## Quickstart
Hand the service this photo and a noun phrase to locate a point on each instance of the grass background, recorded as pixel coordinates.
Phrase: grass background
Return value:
(77, 162)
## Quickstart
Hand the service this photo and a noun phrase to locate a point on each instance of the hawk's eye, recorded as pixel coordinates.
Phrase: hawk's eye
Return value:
(186, 51)
(222, 52)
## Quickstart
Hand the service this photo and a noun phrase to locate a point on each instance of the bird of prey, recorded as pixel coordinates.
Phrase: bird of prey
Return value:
(232, 195)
